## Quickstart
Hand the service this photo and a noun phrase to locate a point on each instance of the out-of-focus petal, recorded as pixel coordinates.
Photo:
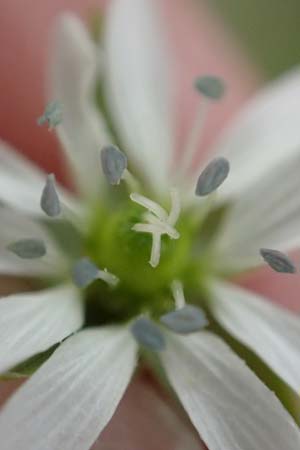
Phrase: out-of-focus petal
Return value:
(15, 227)
(71, 398)
(31, 323)
(138, 86)
(83, 133)
(263, 150)
(263, 137)
(229, 406)
(21, 183)
(271, 332)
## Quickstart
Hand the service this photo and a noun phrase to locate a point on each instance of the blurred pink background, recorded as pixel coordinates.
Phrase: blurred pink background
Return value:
(201, 44)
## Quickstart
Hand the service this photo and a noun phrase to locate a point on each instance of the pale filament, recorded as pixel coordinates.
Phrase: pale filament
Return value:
(178, 294)
(194, 138)
(108, 277)
(130, 180)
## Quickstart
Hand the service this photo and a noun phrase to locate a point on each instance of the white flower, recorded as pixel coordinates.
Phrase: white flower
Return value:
(72, 396)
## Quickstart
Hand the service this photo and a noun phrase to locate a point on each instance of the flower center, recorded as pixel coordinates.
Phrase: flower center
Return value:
(133, 250)
(113, 243)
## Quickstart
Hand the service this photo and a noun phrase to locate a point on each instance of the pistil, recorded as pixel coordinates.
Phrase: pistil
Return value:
(159, 222)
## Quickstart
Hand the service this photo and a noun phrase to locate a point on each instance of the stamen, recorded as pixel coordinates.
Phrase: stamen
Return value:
(85, 272)
(114, 163)
(278, 261)
(210, 86)
(28, 248)
(175, 207)
(178, 294)
(194, 138)
(148, 334)
(188, 319)
(131, 182)
(53, 207)
(150, 205)
(108, 277)
(212, 176)
(74, 217)
(53, 115)
(50, 203)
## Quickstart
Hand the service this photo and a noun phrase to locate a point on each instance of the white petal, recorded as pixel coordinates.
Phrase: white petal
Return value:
(271, 332)
(263, 149)
(264, 135)
(21, 183)
(271, 222)
(68, 402)
(32, 322)
(15, 226)
(229, 406)
(139, 87)
(73, 83)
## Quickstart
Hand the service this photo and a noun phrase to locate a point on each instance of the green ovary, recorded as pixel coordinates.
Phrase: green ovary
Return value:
(112, 244)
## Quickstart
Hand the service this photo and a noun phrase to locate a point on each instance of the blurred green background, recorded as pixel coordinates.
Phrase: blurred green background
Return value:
(268, 29)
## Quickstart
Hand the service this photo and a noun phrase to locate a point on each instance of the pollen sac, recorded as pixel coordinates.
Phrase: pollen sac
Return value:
(188, 319)
(148, 334)
(210, 86)
(84, 272)
(50, 203)
(28, 248)
(278, 261)
(114, 163)
(212, 176)
(53, 115)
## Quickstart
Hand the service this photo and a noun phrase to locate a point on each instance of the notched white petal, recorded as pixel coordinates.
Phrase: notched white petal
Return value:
(228, 405)
(212, 176)
(28, 248)
(148, 334)
(210, 86)
(32, 322)
(21, 183)
(273, 333)
(278, 261)
(50, 203)
(138, 87)
(114, 163)
(67, 403)
(188, 319)
(73, 78)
